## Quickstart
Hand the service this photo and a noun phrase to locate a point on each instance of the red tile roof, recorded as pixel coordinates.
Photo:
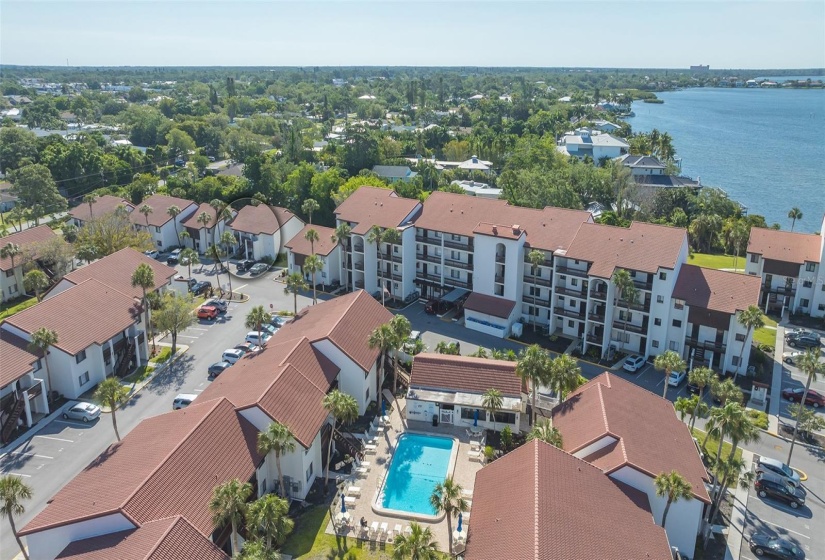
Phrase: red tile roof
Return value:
(171, 538)
(287, 380)
(465, 374)
(538, 502)
(105, 204)
(88, 313)
(651, 438)
(17, 359)
(373, 206)
(28, 239)
(727, 292)
(489, 305)
(168, 465)
(498, 230)
(346, 321)
(643, 247)
(116, 271)
(160, 205)
(549, 229)
(261, 219)
(324, 246)
(192, 220)
(785, 246)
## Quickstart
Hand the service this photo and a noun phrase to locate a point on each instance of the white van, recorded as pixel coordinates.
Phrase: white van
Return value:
(183, 400)
(232, 355)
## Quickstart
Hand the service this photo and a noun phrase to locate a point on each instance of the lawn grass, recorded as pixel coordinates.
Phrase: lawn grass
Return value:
(766, 335)
(163, 355)
(716, 261)
(7, 310)
(141, 374)
(711, 446)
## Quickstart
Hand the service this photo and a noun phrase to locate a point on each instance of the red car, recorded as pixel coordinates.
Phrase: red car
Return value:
(795, 395)
(207, 312)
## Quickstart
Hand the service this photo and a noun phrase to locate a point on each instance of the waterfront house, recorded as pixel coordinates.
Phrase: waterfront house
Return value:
(597, 145)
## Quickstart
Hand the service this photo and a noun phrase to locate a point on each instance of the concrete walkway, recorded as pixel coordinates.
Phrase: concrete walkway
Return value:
(739, 514)
(776, 380)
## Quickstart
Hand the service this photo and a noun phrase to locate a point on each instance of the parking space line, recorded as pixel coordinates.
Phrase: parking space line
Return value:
(235, 288)
(28, 454)
(784, 529)
(17, 474)
(196, 329)
(186, 336)
(57, 438)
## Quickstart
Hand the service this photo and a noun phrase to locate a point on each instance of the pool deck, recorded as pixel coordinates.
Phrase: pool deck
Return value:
(463, 473)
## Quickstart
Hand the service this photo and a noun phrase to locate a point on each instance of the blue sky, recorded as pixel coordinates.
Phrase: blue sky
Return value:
(550, 33)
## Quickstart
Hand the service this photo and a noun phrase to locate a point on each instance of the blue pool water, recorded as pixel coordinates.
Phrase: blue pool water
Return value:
(418, 464)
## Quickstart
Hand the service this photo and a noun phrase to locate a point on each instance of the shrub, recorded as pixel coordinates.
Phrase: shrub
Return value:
(268, 260)
(757, 418)
(506, 438)
(489, 453)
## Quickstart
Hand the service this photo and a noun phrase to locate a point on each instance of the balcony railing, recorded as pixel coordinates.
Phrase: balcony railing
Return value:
(500, 258)
(630, 327)
(457, 283)
(358, 266)
(359, 284)
(499, 278)
(643, 285)
(598, 317)
(569, 312)
(457, 264)
(388, 256)
(35, 390)
(428, 258)
(782, 290)
(545, 262)
(535, 300)
(460, 245)
(599, 294)
(560, 290)
(529, 279)
(430, 277)
(358, 247)
(707, 344)
(428, 239)
(571, 271)
(594, 339)
(643, 307)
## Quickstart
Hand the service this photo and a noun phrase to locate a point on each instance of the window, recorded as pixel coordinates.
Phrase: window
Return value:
(735, 361)
(10, 273)
(367, 395)
(395, 268)
(804, 302)
(663, 276)
(754, 258)
(309, 472)
(633, 274)
(655, 343)
(576, 261)
(470, 413)
(534, 291)
(505, 417)
(454, 255)
(677, 322)
(625, 316)
(454, 273)
(674, 345)
(740, 337)
(823, 287)
(80, 356)
(572, 303)
(395, 249)
(37, 365)
(679, 305)
(13, 289)
(574, 281)
(807, 284)
(570, 323)
(160, 244)
(810, 266)
(455, 237)
(822, 307)
(157, 229)
(107, 357)
(263, 486)
(660, 299)
(657, 322)
(83, 378)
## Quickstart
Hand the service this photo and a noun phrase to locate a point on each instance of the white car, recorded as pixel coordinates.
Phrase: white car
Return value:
(676, 378)
(634, 363)
(253, 337)
(82, 411)
(151, 254)
(791, 357)
(232, 355)
(183, 400)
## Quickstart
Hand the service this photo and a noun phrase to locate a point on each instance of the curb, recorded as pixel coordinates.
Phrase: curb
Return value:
(182, 349)
(788, 440)
(738, 517)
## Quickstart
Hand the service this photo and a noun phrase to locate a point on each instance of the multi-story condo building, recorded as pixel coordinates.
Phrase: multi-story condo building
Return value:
(790, 266)
(12, 266)
(263, 230)
(159, 223)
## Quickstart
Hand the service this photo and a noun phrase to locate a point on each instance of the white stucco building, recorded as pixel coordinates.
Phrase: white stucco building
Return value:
(159, 223)
(11, 267)
(597, 145)
(299, 248)
(263, 230)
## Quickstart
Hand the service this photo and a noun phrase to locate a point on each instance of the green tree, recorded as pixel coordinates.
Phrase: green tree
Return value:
(229, 504)
(544, 430)
(42, 339)
(564, 375)
(189, 257)
(668, 362)
(419, 544)
(308, 207)
(90, 199)
(13, 491)
(794, 214)
(341, 237)
(382, 339)
(536, 259)
(701, 377)
(534, 366)
(627, 292)
(175, 315)
(257, 317)
(268, 520)
(344, 409)
(145, 209)
(111, 393)
(674, 487)
(401, 330)
(751, 318)
(277, 439)
(18, 147)
(312, 266)
(144, 278)
(685, 406)
(36, 281)
(376, 236)
(447, 498)
(492, 401)
(228, 241)
(9, 251)
(311, 235)
(110, 233)
(295, 284)
(810, 365)
(36, 190)
(173, 211)
(180, 144)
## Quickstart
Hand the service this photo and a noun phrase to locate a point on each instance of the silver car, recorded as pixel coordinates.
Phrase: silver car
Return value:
(778, 468)
(82, 411)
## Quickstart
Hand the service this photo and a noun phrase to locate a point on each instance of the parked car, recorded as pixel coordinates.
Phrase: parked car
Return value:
(245, 265)
(82, 411)
(809, 340)
(173, 258)
(769, 485)
(201, 287)
(269, 328)
(207, 312)
(279, 320)
(259, 268)
(433, 307)
(247, 348)
(774, 547)
(813, 398)
(253, 337)
(791, 357)
(797, 332)
(152, 254)
(217, 368)
(766, 464)
(219, 304)
(676, 378)
(232, 355)
(183, 400)
(633, 363)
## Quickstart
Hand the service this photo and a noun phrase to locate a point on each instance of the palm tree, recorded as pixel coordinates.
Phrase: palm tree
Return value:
(313, 265)
(145, 209)
(308, 207)
(401, 329)
(42, 339)
(392, 237)
(90, 199)
(144, 277)
(685, 406)
(376, 235)
(810, 365)
(9, 251)
(190, 257)
(738, 237)
(279, 440)
(174, 211)
(228, 503)
(203, 219)
(669, 362)
(111, 393)
(35, 281)
(257, 317)
(725, 420)
(228, 241)
(536, 259)
(267, 519)
(701, 377)
(564, 375)
(418, 545)
(628, 292)
(12, 493)
(295, 284)
(447, 498)
(751, 319)
(340, 237)
(344, 409)
(492, 401)
(673, 486)
(534, 367)
(381, 338)
(795, 214)
(544, 430)
(311, 235)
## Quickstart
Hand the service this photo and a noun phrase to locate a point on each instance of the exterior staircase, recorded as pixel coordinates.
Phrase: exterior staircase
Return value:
(14, 414)
(346, 445)
(124, 358)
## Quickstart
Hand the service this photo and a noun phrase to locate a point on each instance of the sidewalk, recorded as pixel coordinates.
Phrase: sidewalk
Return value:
(739, 514)
(776, 380)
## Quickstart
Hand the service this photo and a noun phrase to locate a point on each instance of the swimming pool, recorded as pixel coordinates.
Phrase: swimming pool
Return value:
(418, 464)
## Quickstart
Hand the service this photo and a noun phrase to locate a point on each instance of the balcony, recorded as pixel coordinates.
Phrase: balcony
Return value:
(499, 278)
(594, 339)
(457, 283)
(457, 264)
(530, 279)
(428, 239)
(35, 390)
(569, 312)
(358, 266)
(599, 294)
(428, 258)
(636, 306)
(570, 292)
(571, 271)
(535, 301)
(359, 284)
(707, 344)
(358, 247)
(643, 285)
(629, 327)
(781, 290)
(460, 245)
(500, 258)
(428, 277)
(388, 257)
(545, 262)
(597, 317)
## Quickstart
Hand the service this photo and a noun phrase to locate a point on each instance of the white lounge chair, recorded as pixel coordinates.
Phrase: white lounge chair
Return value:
(361, 471)
(370, 448)
(475, 455)
(397, 530)
(350, 500)
(384, 527)
(373, 530)
(354, 490)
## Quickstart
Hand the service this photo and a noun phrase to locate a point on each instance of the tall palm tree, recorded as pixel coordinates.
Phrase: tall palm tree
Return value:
(795, 214)
(381, 338)
(174, 212)
(685, 406)
(36, 281)
(392, 237)
(144, 277)
(401, 329)
(311, 235)
(228, 241)
(492, 401)
(344, 409)
(308, 207)
(751, 318)
(90, 199)
(267, 518)
(701, 377)
(376, 236)
(447, 498)
(668, 362)
(674, 487)
(810, 365)
(42, 339)
(544, 430)
(564, 374)
(145, 209)
(228, 503)
(738, 237)
(295, 284)
(534, 367)
(204, 219)
(726, 420)
(257, 317)
(536, 259)
(111, 393)
(418, 545)
(628, 292)
(279, 440)
(190, 257)
(312, 266)
(9, 251)
(12, 493)
(340, 237)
